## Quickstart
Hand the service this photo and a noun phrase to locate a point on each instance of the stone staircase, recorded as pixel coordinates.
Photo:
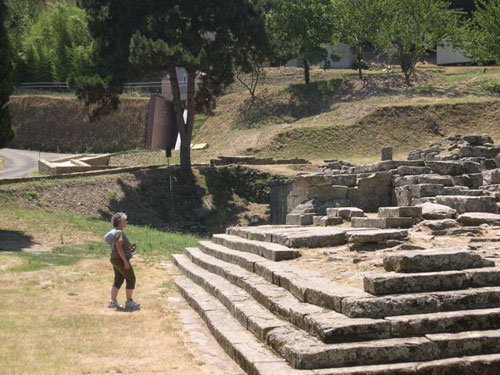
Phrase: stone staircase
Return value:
(431, 312)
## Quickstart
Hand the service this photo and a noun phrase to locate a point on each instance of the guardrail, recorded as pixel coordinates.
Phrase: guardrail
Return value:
(62, 87)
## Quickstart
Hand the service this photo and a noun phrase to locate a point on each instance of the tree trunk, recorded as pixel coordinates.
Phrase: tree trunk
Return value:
(306, 71)
(360, 59)
(406, 67)
(185, 128)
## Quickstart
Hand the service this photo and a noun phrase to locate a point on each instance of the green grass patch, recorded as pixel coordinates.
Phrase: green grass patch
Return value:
(38, 261)
(423, 89)
(150, 241)
(493, 88)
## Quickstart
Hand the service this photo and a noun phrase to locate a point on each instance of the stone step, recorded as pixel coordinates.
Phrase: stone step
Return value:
(422, 303)
(459, 190)
(292, 236)
(328, 326)
(444, 259)
(302, 354)
(394, 283)
(241, 345)
(408, 211)
(321, 326)
(363, 235)
(304, 351)
(325, 221)
(264, 249)
(440, 322)
(464, 204)
(256, 359)
(382, 222)
(305, 286)
(478, 218)
(346, 213)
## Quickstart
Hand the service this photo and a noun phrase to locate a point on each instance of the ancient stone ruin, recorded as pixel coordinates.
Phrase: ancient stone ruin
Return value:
(389, 268)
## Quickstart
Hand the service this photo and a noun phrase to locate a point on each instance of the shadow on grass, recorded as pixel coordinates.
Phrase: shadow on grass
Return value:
(297, 102)
(14, 240)
(300, 101)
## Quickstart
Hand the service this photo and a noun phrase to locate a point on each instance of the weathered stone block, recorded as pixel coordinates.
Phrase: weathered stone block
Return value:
(451, 168)
(478, 151)
(376, 236)
(409, 211)
(426, 190)
(403, 195)
(324, 221)
(478, 218)
(386, 153)
(365, 222)
(477, 139)
(316, 179)
(440, 224)
(434, 260)
(344, 180)
(464, 204)
(327, 192)
(373, 192)
(405, 180)
(435, 179)
(393, 283)
(345, 213)
(299, 219)
(471, 167)
(405, 170)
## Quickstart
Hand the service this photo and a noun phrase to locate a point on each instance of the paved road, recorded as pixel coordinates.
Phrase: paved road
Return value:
(19, 163)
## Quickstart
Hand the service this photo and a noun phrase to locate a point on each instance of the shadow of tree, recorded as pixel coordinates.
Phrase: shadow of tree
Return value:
(298, 101)
(15, 240)
(209, 205)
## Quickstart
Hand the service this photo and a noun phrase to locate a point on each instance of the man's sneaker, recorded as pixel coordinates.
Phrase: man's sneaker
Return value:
(114, 305)
(132, 306)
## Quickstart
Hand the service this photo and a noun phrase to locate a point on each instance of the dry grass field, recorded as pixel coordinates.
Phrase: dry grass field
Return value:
(55, 279)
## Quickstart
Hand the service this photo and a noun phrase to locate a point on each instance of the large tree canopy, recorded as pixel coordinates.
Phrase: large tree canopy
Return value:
(6, 131)
(415, 27)
(208, 38)
(304, 27)
(482, 38)
(359, 23)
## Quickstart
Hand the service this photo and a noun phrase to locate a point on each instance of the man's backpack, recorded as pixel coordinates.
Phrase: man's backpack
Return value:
(109, 238)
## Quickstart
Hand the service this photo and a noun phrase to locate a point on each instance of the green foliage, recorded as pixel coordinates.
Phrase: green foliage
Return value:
(491, 87)
(6, 131)
(303, 28)
(359, 23)
(152, 37)
(22, 14)
(414, 27)
(482, 33)
(56, 45)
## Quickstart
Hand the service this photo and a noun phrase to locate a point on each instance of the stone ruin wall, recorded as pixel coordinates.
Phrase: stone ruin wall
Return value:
(461, 172)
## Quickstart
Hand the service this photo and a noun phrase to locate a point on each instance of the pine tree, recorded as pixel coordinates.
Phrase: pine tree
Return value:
(6, 131)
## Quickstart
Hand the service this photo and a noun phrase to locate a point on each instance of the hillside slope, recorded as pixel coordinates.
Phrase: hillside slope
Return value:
(336, 116)
(339, 116)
